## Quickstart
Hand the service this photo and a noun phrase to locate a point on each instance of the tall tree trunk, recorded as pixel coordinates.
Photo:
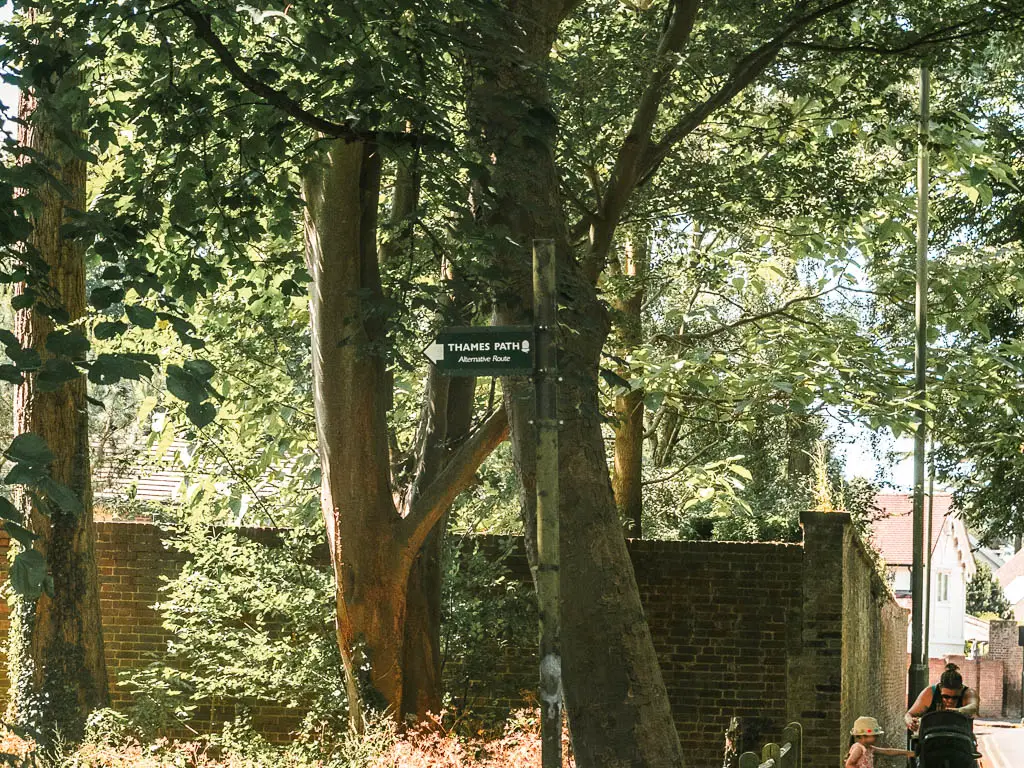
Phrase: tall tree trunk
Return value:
(57, 669)
(423, 620)
(341, 192)
(421, 650)
(627, 475)
(616, 699)
(422, 654)
(381, 554)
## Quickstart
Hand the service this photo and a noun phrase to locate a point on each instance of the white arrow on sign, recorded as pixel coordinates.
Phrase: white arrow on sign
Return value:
(435, 352)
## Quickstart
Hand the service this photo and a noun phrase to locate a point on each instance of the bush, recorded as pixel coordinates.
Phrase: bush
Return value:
(251, 622)
(486, 615)
(379, 746)
(985, 595)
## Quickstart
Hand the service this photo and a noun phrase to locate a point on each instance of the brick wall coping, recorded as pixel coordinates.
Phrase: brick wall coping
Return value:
(818, 518)
(666, 545)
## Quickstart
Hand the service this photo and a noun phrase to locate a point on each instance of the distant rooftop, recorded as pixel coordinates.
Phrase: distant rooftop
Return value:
(151, 474)
(893, 525)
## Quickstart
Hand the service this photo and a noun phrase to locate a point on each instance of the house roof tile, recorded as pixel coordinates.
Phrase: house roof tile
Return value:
(892, 528)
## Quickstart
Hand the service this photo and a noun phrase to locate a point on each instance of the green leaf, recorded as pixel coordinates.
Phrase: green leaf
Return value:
(25, 359)
(653, 400)
(108, 330)
(70, 344)
(201, 414)
(110, 369)
(184, 329)
(144, 317)
(185, 386)
(24, 474)
(55, 373)
(28, 573)
(614, 381)
(105, 296)
(23, 300)
(29, 448)
(8, 339)
(21, 534)
(67, 501)
(8, 511)
(742, 471)
(11, 374)
(201, 369)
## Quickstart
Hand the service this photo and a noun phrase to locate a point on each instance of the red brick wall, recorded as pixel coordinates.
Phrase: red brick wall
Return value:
(874, 658)
(1003, 647)
(724, 618)
(778, 632)
(752, 630)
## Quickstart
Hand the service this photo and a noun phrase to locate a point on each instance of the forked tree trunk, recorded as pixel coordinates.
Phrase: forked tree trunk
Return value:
(615, 696)
(57, 669)
(341, 192)
(386, 559)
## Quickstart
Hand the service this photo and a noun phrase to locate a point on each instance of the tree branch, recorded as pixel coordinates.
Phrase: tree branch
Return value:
(686, 338)
(745, 72)
(204, 31)
(754, 63)
(456, 476)
(948, 34)
(678, 26)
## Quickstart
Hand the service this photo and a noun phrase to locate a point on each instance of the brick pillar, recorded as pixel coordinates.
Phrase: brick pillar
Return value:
(816, 673)
(1003, 647)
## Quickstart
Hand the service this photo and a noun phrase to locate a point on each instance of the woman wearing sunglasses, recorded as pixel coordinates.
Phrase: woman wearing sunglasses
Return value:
(949, 694)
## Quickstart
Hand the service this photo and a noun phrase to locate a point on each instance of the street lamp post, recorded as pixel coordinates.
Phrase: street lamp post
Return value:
(918, 652)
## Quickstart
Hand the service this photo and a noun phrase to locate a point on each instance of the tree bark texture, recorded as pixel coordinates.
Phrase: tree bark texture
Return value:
(57, 667)
(386, 555)
(627, 474)
(341, 193)
(422, 651)
(616, 701)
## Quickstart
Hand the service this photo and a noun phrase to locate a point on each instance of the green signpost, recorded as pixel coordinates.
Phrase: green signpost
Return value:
(514, 350)
(484, 351)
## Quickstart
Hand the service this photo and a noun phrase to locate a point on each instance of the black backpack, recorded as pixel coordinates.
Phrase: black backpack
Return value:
(946, 740)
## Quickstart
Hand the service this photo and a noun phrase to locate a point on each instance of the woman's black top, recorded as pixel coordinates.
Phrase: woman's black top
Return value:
(937, 697)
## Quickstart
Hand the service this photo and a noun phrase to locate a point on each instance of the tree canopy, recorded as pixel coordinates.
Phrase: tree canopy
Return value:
(284, 203)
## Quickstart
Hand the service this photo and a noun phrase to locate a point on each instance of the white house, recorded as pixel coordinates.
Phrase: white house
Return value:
(952, 564)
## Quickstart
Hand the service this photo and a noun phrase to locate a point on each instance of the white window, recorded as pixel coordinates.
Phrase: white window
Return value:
(942, 592)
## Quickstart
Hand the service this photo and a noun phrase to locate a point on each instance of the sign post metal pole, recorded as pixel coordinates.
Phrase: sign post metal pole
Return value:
(919, 653)
(524, 351)
(548, 588)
